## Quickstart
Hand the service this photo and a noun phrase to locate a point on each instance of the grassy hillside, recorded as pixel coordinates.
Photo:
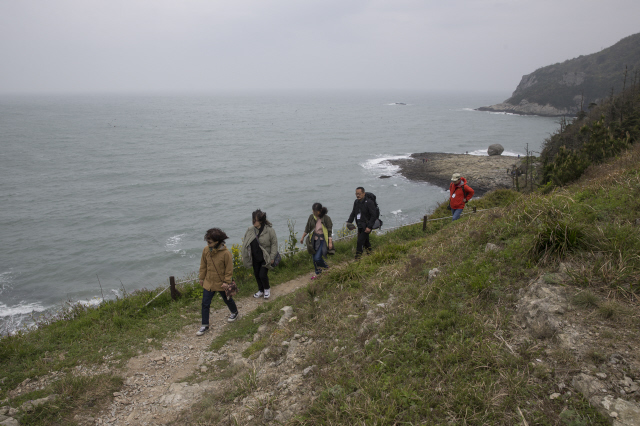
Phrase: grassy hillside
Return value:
(593, 76)
(398, 345)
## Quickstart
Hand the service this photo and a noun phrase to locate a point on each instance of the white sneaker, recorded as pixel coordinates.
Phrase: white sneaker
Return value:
(233, 317)
(267, 293)
(202, 330)
(258, 294)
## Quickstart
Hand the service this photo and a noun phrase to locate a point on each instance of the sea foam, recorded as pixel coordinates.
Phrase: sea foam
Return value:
(382, 165)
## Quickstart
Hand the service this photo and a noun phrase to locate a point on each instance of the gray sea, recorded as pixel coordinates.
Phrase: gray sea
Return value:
(121, 188)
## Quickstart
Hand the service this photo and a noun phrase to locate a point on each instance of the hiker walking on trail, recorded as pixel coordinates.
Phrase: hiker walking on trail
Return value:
(366, 213)
(259, 250)
(459, 194)
(216, 272)
(319, 228)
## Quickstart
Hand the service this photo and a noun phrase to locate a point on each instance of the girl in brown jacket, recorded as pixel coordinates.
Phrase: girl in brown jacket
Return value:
(216, 268)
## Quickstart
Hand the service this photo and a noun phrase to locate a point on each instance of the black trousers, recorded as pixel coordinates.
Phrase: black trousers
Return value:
(207, 296)
(262, 277)
(363, 242)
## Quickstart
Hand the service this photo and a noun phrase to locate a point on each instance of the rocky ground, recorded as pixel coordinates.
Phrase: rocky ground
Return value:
(162, 383)
(176, 383)
(483, 173)
(576, 339)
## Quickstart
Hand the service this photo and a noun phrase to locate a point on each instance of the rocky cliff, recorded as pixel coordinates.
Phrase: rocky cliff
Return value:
(565, 88)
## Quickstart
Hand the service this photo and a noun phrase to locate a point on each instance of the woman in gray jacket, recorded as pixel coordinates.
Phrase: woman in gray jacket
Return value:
(259, 249)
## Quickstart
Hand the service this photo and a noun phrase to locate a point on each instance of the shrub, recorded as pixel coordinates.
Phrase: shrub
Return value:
(557, 239)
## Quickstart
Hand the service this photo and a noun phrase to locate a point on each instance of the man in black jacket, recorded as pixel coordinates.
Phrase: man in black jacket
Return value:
(365, 213)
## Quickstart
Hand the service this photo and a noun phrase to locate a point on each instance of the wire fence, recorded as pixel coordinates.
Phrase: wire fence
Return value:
(354, 233)
(351, 234)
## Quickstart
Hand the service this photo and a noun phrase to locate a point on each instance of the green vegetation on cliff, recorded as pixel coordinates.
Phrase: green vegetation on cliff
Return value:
(594, 136)
(586, 79)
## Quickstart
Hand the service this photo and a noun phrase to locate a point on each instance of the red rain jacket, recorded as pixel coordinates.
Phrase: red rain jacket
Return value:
(456, 194)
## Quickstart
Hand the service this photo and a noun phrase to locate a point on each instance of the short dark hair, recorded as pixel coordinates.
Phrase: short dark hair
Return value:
(317, 207)
(215, 234)
(360, 188)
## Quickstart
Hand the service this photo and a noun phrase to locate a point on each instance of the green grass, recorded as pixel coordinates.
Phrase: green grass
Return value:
(586, 299)
(74, 394)
(440, 360)
(440, 353)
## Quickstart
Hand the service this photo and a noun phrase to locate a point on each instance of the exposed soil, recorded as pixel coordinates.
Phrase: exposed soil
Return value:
(155, 390)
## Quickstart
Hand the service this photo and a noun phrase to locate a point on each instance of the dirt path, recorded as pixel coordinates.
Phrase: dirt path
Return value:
(154, 390)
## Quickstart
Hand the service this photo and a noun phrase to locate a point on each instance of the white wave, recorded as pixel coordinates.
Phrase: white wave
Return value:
(95, 301)
(398, 103)
(173, 244)
(396, 211)
(382, 165)
(20, 309)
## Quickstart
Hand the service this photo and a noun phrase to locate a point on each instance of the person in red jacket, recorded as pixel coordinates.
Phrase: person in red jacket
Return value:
(459, 194)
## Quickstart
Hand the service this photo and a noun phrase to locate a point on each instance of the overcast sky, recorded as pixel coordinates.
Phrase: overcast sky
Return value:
(208, 45)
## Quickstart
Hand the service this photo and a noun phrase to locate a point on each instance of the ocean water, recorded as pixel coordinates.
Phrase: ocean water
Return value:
(121, 188)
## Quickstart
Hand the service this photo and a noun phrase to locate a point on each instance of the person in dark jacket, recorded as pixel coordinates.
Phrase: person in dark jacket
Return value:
(259, 249)
(459, 194)
(319, 228)
(365, 213)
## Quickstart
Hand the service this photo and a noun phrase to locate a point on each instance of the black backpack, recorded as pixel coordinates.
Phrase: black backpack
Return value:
(372, 197)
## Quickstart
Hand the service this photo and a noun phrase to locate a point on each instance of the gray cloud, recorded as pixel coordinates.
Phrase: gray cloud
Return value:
(162, 45)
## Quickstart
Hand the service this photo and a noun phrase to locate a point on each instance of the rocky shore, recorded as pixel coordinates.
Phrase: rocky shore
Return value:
(531, 108)
(483, 173)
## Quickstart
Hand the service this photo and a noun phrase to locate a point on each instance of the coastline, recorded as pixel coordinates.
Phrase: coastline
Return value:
(526, 108)
(483, 173)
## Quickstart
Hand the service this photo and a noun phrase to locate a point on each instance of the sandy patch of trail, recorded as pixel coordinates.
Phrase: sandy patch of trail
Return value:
(154, 390)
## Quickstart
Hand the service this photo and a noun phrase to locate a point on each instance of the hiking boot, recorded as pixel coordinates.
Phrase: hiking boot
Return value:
(202, 330)
(267, 293)
(258, 294)
(233, 317)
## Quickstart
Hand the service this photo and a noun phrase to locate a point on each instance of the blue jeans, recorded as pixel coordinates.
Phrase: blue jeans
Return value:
(207, 296)
(318, 261)
(456, 214)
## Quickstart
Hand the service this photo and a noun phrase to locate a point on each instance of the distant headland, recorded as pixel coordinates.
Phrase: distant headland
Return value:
(565, 89)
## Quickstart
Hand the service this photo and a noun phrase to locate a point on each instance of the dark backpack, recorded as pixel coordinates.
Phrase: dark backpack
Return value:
(376, 209)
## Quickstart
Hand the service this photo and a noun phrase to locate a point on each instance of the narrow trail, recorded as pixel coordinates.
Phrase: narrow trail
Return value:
(154, 391)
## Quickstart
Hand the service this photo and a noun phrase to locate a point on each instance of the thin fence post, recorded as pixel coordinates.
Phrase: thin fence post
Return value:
(174, 291)
(474, 209)
(424, 223)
